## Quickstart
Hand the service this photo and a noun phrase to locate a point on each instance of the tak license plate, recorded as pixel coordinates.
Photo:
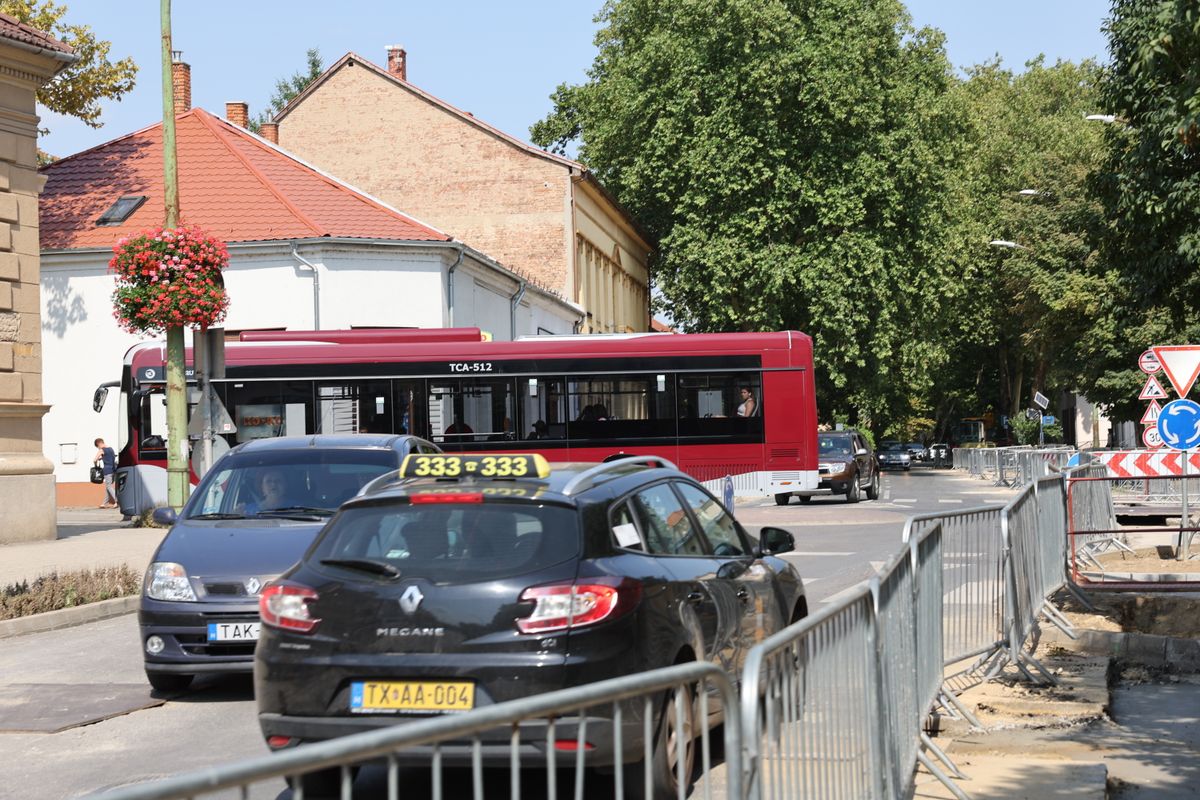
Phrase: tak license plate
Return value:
(233, 631)
(412, 697)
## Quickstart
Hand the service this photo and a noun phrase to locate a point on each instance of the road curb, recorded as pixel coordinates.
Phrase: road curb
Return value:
(68, 617)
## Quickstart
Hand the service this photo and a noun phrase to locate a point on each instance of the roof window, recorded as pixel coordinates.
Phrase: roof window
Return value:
(120, 211)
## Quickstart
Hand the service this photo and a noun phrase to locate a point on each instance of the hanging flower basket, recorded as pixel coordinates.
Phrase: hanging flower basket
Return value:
(167, 278)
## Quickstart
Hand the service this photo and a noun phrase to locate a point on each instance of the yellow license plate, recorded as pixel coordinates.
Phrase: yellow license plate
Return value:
(412, 696)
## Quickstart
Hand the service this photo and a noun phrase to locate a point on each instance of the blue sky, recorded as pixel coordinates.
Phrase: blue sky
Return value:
(498, 60)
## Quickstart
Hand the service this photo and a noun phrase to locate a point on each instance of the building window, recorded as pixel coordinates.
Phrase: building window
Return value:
(121, 210)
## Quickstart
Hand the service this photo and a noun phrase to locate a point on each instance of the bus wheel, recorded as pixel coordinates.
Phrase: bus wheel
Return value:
(805, 499)
(782, 498)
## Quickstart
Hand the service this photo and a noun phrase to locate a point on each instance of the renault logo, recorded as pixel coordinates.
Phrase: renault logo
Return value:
(411, 599)
(253, 585)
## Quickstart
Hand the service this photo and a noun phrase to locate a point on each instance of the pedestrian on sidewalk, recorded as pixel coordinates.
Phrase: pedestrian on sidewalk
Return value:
(106, 457)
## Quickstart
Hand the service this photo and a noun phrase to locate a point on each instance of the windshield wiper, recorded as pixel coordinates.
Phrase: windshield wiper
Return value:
(217, 515)
(292, 511)
(364, 564)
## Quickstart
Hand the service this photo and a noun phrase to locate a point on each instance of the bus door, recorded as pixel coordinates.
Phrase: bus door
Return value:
(544, 415)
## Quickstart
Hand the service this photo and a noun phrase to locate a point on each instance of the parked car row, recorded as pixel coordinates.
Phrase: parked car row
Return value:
(367, 580)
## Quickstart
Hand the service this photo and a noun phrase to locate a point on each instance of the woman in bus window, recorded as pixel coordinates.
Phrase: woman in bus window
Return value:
(746, 409)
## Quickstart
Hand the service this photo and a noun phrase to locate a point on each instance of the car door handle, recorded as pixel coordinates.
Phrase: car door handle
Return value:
(743, 593)
(695, 598)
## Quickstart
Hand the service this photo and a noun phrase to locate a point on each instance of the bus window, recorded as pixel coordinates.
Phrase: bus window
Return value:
(262, 410)
(465, 411)
(152, 423)
(638, 407)
(710, 404)
(354, 407)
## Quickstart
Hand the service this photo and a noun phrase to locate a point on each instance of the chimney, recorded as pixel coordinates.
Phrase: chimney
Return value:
(270, 132)
(397, 61)
(238, 114)
(181, 83)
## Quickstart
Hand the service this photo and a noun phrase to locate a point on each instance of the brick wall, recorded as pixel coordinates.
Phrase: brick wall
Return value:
(384, 139)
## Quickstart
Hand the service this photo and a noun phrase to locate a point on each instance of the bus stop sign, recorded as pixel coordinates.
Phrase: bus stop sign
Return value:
(1179, 424)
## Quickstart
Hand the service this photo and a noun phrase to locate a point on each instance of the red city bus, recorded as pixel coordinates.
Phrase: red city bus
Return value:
(570, 398)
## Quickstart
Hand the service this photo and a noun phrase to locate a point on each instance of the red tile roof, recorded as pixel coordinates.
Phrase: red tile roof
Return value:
(231, 183)
(12, 28)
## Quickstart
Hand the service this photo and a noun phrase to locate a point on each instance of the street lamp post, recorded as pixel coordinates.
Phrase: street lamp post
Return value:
(1010, 245)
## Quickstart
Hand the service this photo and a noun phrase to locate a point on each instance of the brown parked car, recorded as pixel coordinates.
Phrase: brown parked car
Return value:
(847, 466)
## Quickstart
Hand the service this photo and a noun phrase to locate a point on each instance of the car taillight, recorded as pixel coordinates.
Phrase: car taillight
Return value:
(563, 606)
(285, 606)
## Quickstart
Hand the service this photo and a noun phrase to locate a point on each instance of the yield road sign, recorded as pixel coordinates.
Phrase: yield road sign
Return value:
(1181, 363)
(1153, 390)
(1179, 424)
(1152, 411)
(1151, 439)
(1148, 363)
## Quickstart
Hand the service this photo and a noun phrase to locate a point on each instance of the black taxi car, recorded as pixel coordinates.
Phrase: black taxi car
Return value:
(252, 516)
(473, 580)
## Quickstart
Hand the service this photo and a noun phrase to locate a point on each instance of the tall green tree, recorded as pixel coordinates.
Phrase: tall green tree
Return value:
(287, 88)
(1025, 182)
(1151, 191)
(78, 90)
(793, 157)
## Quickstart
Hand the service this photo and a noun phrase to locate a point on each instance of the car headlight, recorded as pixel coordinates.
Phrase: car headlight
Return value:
(166, 580)
(833, 467)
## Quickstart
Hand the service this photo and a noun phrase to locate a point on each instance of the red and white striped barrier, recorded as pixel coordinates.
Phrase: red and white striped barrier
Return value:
(1146, 463)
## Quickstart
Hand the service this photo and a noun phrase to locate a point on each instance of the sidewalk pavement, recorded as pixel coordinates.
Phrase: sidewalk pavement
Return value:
(1111, 728)
(87, 538)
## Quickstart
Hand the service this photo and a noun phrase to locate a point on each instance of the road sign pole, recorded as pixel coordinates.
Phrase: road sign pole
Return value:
(1185, 537)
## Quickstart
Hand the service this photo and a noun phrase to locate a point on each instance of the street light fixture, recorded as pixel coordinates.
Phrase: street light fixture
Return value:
(1030, 193)
(1107, 119)
(1007, 244)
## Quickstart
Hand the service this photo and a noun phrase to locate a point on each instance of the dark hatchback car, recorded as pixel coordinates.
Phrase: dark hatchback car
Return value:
(432, 596)
(252, 516)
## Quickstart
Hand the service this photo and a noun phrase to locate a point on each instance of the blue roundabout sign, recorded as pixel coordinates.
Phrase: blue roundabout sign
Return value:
(1179, 424)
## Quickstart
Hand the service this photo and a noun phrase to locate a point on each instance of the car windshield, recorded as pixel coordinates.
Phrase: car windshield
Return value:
(305, 482)
(451, 543)
(834, 445)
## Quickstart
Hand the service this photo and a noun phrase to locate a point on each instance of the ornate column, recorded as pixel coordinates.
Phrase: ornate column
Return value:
(28, 59)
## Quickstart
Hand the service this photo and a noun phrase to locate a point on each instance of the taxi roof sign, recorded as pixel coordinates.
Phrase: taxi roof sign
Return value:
(457, 467)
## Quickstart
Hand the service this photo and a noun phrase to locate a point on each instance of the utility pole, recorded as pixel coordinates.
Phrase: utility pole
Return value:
(177, 438)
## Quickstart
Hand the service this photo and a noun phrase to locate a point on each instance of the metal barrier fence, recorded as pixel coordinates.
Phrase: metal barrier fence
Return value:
(1091, 513)
(830, 707)
(811, 696)
(1100, 554)
(972, 553)
(565, 715)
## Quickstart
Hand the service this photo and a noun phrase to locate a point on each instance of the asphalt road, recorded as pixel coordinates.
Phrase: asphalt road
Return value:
(94, 671)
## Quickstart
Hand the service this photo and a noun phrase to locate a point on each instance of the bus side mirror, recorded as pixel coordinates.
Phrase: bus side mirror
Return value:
(98, 399)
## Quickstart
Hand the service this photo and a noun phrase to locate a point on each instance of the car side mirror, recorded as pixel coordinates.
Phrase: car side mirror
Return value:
(164, 517)
(772, 541)
(860, 452)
